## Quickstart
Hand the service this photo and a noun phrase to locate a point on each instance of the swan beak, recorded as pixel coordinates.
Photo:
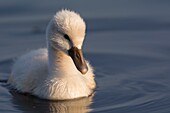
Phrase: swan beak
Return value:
(78, 59)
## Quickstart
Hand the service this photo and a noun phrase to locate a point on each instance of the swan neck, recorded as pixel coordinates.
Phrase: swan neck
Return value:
(52, 60)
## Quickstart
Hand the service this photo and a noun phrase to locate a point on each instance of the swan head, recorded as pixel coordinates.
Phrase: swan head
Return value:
(66, 32)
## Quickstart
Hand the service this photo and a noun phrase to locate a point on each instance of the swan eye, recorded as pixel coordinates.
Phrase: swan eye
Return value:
(67, 37)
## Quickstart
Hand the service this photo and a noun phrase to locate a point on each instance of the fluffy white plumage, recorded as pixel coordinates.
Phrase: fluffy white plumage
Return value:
(51, 73)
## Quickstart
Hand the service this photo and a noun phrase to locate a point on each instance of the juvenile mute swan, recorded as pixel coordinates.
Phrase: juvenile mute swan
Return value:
(60, 71)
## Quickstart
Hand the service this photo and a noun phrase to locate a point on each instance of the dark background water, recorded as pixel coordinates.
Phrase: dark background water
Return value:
(127, 42)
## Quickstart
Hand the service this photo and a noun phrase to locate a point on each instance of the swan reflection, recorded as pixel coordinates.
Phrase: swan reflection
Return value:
(30, 104)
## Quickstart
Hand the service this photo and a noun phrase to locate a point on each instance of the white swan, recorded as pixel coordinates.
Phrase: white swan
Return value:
(59, 72)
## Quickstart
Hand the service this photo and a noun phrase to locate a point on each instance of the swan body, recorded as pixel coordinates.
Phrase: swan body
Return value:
(58, 72)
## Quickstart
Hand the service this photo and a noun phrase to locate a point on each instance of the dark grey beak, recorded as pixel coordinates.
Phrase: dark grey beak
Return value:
(78, 59)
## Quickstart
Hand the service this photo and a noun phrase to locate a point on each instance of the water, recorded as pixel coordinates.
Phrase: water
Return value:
(127, 42)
